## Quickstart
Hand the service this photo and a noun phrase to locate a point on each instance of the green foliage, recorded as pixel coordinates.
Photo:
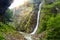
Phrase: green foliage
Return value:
(53, 23)
(1, 36)
(8, 17)
(6, 29)
(48, 11)
(50, 21)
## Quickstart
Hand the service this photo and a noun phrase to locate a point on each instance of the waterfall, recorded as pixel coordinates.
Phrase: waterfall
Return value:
(29, 36)
(38, 18)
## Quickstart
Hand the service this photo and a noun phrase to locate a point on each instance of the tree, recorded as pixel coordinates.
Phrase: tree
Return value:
(53, 23)
(8, 17)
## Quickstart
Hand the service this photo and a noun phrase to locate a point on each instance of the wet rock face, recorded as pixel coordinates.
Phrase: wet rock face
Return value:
(4, 4)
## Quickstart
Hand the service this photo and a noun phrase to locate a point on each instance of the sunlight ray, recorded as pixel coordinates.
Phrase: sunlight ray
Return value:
(17, 3)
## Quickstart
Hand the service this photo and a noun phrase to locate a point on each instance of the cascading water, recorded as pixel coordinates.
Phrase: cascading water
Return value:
(28, 36)
(38, 17)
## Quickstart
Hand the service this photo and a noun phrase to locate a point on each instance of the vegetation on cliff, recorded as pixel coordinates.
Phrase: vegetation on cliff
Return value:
(25, 17)
(50, 21)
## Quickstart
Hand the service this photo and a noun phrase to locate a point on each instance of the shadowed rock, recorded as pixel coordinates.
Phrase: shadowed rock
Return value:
(4, 4)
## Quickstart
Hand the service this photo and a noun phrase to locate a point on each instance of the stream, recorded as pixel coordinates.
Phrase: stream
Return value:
(29, 36)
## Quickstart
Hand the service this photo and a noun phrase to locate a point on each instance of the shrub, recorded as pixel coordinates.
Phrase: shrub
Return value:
(53, 23)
